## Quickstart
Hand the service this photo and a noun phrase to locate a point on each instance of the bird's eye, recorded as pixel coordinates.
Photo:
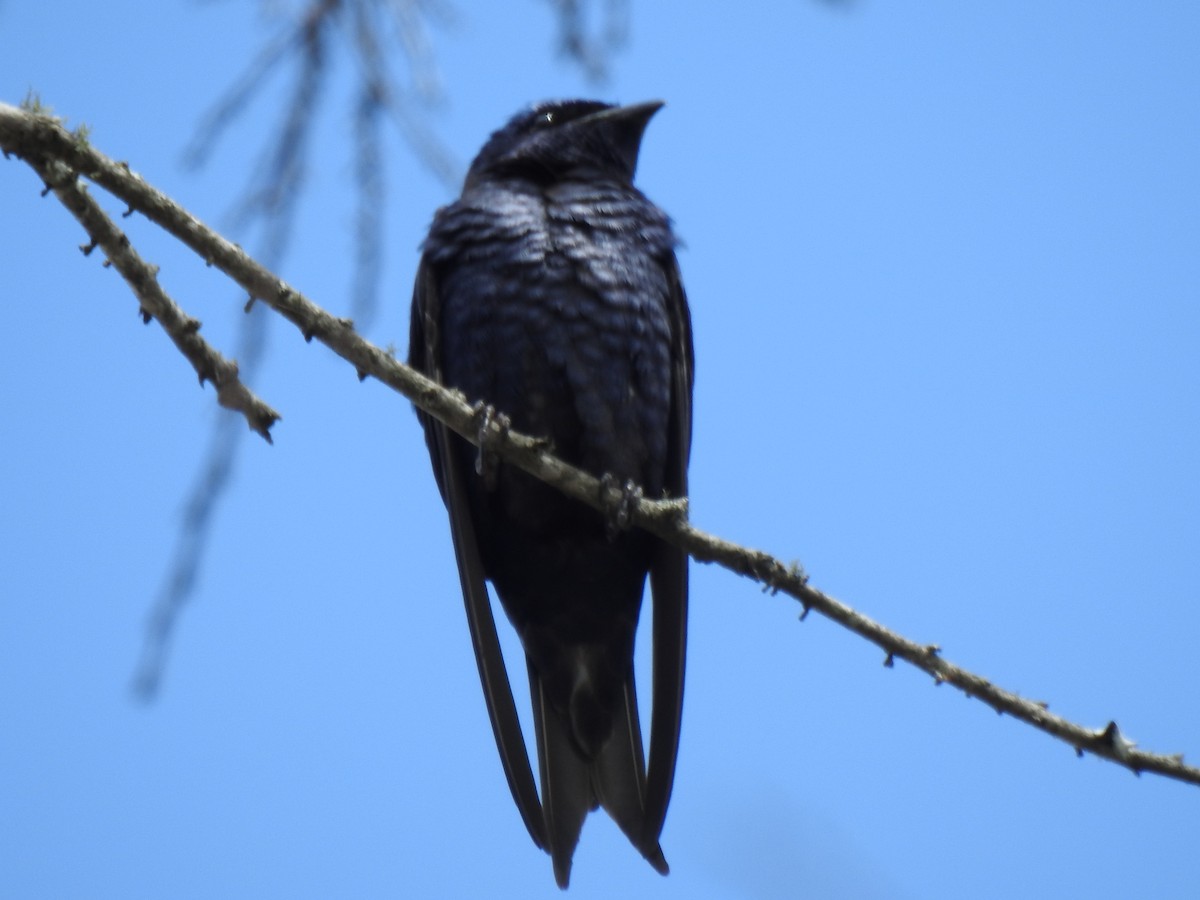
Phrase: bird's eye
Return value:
(546, 119)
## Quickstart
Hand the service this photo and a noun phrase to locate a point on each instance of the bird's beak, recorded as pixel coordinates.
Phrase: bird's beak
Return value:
(637, 114)
(623, 127)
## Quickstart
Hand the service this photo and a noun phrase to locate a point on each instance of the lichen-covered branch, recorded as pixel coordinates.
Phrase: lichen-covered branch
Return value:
(665, 518)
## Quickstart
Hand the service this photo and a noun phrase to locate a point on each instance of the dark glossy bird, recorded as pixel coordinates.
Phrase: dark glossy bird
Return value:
(550, 292)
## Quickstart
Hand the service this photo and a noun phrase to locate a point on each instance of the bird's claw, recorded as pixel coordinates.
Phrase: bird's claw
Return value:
(487, 464)
(618, 514)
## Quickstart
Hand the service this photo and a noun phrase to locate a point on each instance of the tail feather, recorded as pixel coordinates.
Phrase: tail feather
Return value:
(572, 785)
(619, 779)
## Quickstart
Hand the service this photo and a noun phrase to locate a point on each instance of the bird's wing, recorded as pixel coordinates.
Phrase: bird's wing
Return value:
(669, 575)
(566, 780)
(425, 355)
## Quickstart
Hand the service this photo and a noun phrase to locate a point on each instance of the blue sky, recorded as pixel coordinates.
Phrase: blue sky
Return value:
(943, 268)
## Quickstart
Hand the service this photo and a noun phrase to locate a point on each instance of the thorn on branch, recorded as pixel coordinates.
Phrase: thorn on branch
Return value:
(805, 609)
(762, 568)
(1112, 738)
(776, 578)
(191, 326)
(129, 211)
(889, 661)
(249, 302)
(86, 249)
(262, 422)
(286, 294)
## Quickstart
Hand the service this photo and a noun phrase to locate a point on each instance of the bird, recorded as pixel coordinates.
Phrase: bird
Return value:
(549, 294)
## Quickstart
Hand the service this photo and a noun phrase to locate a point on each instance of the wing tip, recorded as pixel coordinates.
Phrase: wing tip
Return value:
(651, 851)
(562, 870)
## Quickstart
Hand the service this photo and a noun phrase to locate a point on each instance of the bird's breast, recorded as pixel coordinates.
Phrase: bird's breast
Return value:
(555, 311)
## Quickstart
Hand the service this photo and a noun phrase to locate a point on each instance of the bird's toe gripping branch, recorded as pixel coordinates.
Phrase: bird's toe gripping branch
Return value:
(618, 511)
(486, 461)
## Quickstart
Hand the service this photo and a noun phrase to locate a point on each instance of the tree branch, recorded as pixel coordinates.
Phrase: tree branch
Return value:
(141, 277)
(36, 137)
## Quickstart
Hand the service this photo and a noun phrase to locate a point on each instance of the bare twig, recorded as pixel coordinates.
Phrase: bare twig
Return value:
(155, 303)
(209, 364)
(374, 31)
(306, 46)
(223, 113)
(214, 477)
(19, 132)
(271, 199)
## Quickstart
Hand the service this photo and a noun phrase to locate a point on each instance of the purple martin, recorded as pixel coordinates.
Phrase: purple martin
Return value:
(550, 292)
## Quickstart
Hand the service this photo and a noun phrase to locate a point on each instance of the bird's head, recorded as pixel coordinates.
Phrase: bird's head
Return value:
(557, 138)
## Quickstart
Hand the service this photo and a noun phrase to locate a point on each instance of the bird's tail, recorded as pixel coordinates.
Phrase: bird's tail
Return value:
(573, 784)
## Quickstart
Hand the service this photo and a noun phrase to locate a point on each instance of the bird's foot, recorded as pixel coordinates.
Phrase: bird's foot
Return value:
(487, 464)
(618, 514)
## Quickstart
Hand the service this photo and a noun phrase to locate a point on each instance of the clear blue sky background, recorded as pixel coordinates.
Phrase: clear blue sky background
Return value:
(943, 265)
